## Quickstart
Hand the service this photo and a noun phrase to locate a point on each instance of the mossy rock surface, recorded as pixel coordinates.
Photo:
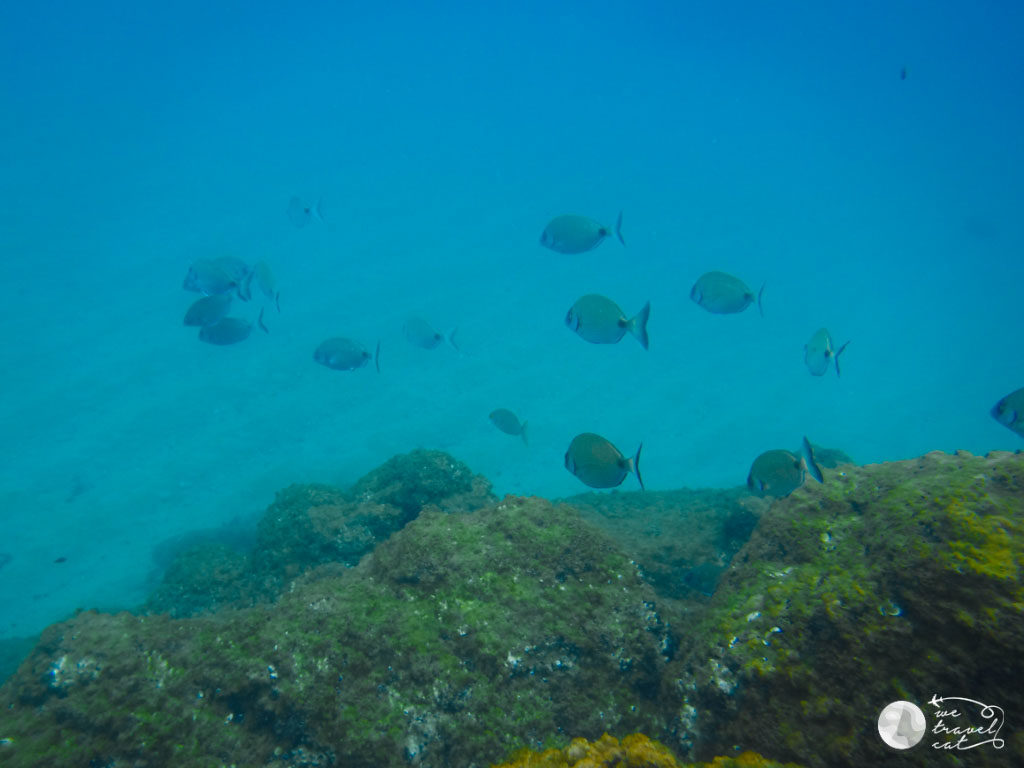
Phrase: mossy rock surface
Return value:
(888, 582)
(460, 637)
(312, 524)
(476, 629)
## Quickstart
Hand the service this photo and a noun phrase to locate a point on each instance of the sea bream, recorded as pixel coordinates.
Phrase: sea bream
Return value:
(208, 277)
(599, 320)
(420, 333)
(342, 354)
(598, 463)
(723, 294)
(229, 330)
(577, 234)
(1010, 411)
(301, 213)
(508, 423)
(778, 472)
(820, 352)
(207, 310)
(264, 279)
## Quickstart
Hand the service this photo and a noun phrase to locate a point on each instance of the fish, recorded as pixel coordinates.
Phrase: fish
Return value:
(341, 354)
(599, 320)
(208, 310)
(598, 463)
(723, 294)
(810, 464)
(233, 267)
(208, 277)
(264, 278)
(229, 330)
(300, 214)
(1010, 411)
(820, 351)
(775, 473)
(779, 472)
(577, 234)
(5, 558)
(508, 423)
(420, 333)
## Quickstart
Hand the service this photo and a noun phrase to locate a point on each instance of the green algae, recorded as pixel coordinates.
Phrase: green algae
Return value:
(476, 628)
(519, 619)
(887, 582)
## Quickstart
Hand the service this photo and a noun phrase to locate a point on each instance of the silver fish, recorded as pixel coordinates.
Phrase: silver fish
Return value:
(229, 330)
(508, 423)
(208, 277)
(422, 334)
(779, 473)
(341, 354)
(820, 351)
(723, 294)
(208, 309)
(775, 473)
(264, 278)
(810, 464)
(1010, 411)
(598, 463)
(577, 234)
(599, 320)
(300, 213)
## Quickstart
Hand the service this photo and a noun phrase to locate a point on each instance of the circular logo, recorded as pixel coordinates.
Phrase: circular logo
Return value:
(901, 725)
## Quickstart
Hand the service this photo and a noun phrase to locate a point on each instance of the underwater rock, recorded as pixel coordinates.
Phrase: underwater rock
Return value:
(203, 578)
(462, 637)
(683, 540)
(459, 638)
(413, 480)
(314, 524)
(633, 751)
(888, 582)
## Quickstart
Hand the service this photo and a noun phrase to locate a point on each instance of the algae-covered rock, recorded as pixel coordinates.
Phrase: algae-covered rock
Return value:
(460, 637)
(633, 751)
(888, 582)
(204, 577)
(313, 524)
(683, 540)
(413, 480)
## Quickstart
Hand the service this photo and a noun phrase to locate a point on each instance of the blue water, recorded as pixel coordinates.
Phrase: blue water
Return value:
(774, 141)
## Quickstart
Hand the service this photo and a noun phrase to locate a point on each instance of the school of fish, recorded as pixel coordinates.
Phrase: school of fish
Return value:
(595, 318)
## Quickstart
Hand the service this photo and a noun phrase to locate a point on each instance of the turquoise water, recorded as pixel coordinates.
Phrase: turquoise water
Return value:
(780, 144)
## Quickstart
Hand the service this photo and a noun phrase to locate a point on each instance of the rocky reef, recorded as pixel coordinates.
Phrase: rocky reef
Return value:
(633, 751)
(414, 619)
(888, 582)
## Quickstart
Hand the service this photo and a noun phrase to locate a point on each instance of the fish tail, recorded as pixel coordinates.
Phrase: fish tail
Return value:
(836, 357)
(449, 339)
(262, 325)
(638, 325)
(318, 209)
(277, 301)
(809, 462)
(635, 465)
(522, 433)
(376, 356)
(244, 288)
(618, 228)
(760, 295)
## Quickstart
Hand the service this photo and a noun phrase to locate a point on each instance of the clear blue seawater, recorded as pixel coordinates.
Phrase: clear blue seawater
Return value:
(862, 160)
